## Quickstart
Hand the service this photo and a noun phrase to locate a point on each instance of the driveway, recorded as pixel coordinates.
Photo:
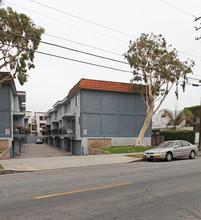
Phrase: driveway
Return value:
(40, 150)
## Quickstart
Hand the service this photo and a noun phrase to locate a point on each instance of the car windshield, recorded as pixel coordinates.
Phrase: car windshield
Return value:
(165, 144)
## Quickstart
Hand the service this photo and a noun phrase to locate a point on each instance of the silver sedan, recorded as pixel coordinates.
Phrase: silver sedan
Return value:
(171, 149)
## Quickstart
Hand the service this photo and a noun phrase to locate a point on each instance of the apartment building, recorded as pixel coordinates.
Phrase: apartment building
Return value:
(28, 120)
(12, 127)
(38, 122)
(96, 113)
(162, 121)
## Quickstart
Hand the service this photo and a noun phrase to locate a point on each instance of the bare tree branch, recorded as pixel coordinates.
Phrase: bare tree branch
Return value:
(11, 59)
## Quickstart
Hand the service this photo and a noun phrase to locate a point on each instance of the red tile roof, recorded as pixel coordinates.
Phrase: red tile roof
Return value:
(58, 102)
(103, 85)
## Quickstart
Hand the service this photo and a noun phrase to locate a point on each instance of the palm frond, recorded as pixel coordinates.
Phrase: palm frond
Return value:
(177, 118)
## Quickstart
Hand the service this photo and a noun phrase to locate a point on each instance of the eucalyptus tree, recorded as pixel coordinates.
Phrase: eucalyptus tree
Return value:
(156, 68)
(19, 39)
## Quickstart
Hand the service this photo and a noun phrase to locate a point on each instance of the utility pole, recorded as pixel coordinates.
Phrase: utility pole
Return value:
(198, 38)
(35, 123)
(197, 28)
(200, 127)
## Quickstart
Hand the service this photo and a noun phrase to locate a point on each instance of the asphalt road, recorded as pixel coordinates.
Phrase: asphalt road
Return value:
(138, 190)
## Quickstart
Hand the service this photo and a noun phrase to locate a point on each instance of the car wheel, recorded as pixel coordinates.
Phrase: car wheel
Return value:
(169, 156)
(192, 155)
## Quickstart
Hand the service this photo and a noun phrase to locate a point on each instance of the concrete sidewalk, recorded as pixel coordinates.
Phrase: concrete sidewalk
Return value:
(48, 163)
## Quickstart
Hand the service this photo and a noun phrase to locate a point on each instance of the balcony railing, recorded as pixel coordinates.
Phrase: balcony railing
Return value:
(61, 131)
(20, 132)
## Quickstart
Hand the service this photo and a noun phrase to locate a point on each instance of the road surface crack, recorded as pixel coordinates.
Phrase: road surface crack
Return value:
(193, 211)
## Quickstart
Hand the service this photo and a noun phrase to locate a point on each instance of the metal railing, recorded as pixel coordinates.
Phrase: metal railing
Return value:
(20, 130)
(61, 131)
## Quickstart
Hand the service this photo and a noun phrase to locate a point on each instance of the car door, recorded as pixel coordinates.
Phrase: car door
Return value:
(178, 149)
(186, 148)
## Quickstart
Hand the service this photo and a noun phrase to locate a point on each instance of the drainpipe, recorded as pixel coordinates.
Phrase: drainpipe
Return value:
(200, 126)
(35, 123)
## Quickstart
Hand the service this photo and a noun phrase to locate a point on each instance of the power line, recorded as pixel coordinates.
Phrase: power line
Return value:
(76, 60)
(82, 44)
(180, 9)
(72, 41)
(61, 38)
(68, 48)
(83, 19)
(97, 65)
(74, 50)
(84, 62)
(76, 26)
(194, 78)
(80, 61)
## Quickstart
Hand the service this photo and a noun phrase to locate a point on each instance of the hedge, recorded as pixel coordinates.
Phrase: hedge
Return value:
(196, 126)
(179, 135)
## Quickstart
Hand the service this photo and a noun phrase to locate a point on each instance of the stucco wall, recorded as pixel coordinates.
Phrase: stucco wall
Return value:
(5, 111)
(111, 114)
(76, 109)
(124, 141)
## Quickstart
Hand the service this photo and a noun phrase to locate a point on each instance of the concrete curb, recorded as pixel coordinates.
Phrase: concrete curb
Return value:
(12, 171)
(30, 168)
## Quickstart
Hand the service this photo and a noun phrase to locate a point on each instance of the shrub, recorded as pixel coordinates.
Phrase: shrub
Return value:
(196, 126)
(179, 135)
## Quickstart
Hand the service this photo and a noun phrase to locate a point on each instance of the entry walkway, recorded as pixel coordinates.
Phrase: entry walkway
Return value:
(40, 150)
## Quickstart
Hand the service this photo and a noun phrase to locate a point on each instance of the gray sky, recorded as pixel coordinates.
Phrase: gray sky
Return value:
(52, 78)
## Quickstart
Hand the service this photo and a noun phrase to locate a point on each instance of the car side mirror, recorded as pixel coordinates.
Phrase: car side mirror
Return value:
(176, 146)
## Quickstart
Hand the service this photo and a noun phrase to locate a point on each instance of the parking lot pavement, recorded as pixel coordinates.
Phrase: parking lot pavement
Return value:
(40, 150)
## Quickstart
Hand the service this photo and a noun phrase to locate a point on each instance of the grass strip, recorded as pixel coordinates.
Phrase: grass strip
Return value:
(1, 167)
(127, 149)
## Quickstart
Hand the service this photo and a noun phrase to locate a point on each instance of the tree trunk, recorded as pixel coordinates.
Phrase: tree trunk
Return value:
(144, 127)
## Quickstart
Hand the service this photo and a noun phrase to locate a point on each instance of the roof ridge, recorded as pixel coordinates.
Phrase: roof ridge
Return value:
(105, 81)
(104, 85)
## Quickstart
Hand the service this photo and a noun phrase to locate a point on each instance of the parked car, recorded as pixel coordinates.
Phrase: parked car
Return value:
(39, 141)
(171, 149)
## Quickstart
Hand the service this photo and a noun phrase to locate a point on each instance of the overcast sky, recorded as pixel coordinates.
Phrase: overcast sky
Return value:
(52, 78)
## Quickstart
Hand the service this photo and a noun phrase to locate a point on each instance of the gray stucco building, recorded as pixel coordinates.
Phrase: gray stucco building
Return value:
(12, 118)
(95, 112)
